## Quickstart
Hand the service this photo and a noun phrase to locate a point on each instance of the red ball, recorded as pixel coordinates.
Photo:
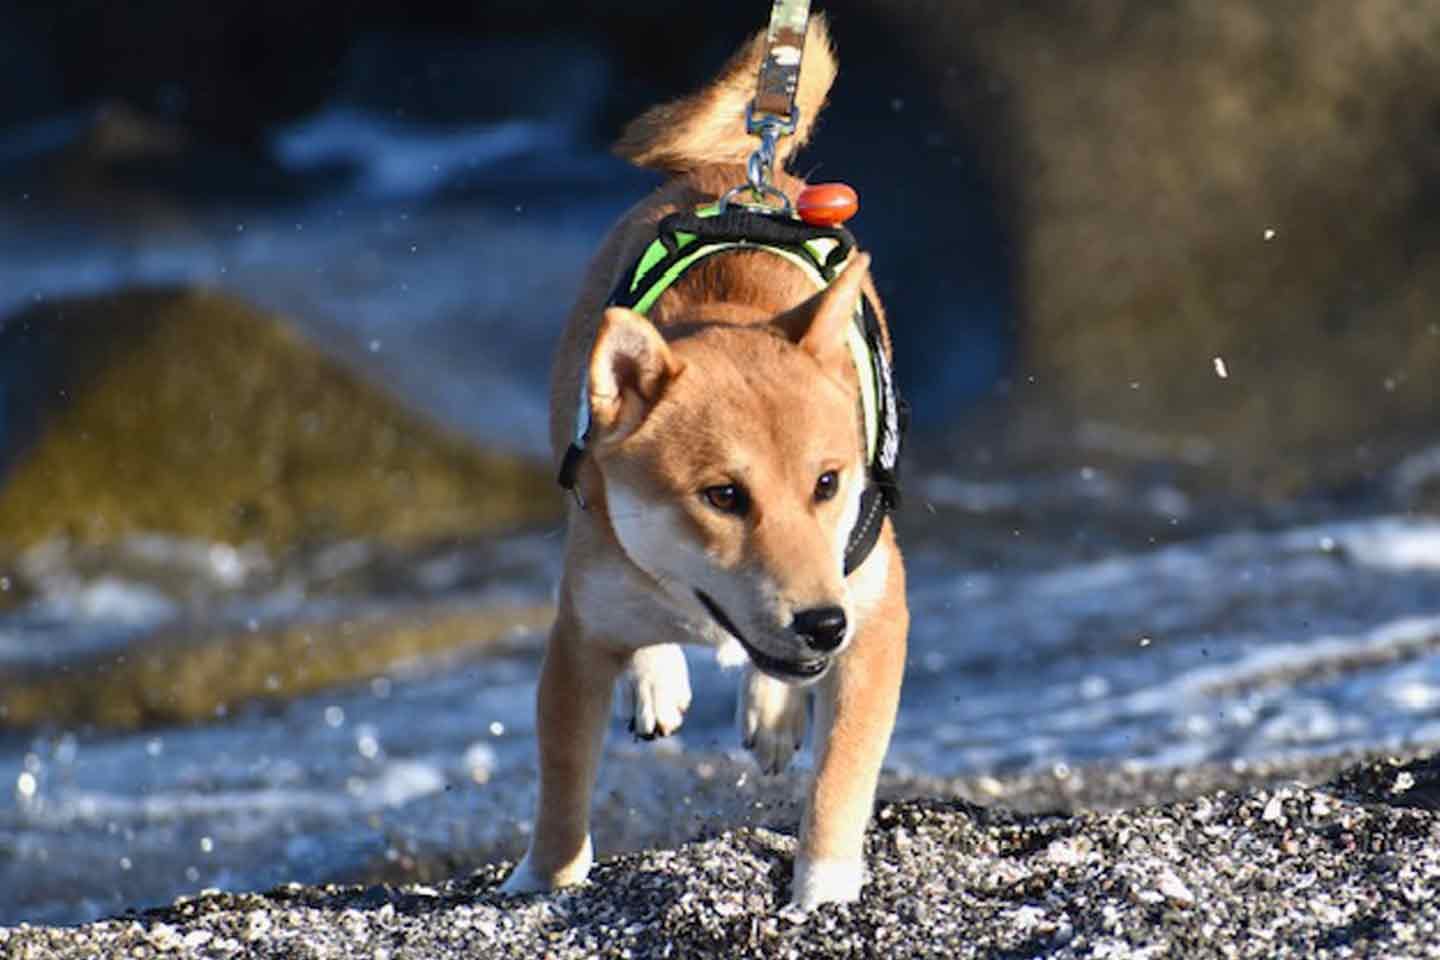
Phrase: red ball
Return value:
(827, 204)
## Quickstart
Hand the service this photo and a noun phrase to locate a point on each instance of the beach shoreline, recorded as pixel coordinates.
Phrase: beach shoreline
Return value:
(1254, 864)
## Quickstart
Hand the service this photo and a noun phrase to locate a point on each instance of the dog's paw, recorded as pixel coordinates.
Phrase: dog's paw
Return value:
(772, 719)
(655, 691)
(825, 881)
(526, 879)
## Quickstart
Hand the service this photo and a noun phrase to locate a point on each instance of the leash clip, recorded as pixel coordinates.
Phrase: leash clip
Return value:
(758, 169)
(772, 113)
(772, 123)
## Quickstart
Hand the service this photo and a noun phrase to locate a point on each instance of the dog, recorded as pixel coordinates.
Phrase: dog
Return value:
(722, 476)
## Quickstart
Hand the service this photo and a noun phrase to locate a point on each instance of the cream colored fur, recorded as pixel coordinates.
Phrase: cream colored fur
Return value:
(739, 377)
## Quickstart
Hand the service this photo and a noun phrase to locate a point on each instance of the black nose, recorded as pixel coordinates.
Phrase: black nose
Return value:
(822, 627)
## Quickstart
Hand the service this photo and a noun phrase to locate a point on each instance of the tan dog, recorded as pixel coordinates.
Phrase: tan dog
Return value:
(724, 472)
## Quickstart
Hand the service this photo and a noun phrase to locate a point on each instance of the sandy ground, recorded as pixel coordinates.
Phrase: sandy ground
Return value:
(1247, 862)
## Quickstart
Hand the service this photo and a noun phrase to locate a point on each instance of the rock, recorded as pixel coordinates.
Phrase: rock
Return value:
(14, 591)
(1174, 889)
(1274, 810)
(1394, 781)
(1415, 481)
(190, 413)
(189, 674)
(163, 937)
(1224, 219)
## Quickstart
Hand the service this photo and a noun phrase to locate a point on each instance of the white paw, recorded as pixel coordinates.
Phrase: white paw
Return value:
(771, 718)
(526, 879)
(655, 691)
(825, 881)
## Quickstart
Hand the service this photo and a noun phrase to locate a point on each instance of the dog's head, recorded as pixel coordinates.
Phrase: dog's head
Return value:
(733, 459)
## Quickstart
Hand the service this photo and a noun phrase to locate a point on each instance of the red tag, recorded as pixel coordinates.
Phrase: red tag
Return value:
(827, 204)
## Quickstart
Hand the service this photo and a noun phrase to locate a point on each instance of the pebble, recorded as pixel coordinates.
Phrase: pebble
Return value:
(257, 926)
(196, 939)
(1274, 810)
(1065, 853)
(162, 936)
(1174, 889)
(1208, 876)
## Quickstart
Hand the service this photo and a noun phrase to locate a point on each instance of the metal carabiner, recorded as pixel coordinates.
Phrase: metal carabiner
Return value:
(760, 166)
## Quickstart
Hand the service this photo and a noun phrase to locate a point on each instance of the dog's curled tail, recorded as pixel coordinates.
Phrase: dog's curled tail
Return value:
(708, 127)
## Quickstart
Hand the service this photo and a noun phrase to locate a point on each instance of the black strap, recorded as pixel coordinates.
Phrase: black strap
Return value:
(748, 225)
(733, 225)
(570, 466)
(893, 414)
(882, 494)
(866, 532)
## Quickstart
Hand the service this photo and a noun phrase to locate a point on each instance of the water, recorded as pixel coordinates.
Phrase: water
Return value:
(1046, 647)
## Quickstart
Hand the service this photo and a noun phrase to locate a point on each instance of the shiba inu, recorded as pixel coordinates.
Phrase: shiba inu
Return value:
(725, 480)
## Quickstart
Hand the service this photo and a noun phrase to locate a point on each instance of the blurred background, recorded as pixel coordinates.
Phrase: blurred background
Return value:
(278, 288)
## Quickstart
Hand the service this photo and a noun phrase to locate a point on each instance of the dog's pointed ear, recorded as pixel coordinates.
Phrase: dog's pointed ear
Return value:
(820, 325)
(629, 368)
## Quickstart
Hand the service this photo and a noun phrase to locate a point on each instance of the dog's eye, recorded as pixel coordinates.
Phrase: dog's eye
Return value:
(727, 498)
(827, 486)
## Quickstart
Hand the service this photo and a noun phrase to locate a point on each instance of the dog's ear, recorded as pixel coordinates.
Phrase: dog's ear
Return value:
(821, 324)
(629, 368)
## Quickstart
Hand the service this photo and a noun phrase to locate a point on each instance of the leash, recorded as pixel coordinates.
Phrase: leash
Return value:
(773, 113)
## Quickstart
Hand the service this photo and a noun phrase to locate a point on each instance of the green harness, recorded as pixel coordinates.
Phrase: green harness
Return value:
(685, 239)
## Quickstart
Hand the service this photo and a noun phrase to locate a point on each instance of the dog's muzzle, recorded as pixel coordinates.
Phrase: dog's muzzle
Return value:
(807, 669)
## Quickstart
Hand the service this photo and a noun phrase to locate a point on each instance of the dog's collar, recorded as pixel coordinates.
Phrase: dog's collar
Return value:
(684, 239)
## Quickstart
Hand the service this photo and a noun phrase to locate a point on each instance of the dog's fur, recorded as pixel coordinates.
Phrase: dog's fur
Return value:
(740, 375)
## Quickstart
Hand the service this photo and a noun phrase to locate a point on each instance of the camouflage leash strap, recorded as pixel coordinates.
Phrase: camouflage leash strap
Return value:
(780, 70)
(773, 114)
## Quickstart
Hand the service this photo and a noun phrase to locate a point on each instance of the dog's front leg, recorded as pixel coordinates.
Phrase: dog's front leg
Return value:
(855, 714)
(571, 714)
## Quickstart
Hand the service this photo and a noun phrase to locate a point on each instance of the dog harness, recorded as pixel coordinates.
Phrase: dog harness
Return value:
(684, 239)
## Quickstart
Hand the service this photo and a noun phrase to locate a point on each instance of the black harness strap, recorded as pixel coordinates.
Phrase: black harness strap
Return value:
(866, 532)
(731, 225)
(751, 226)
